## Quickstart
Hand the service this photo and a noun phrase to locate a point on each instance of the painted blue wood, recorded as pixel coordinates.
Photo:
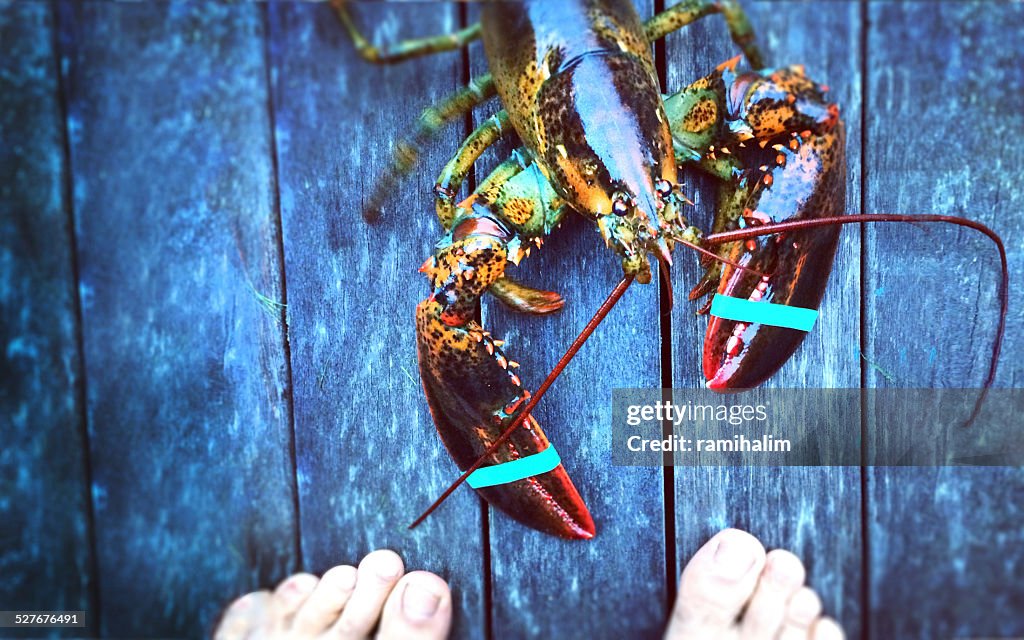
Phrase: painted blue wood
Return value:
(176, 226)
(943, 101)
(45, 555)
(785, 507)
(369, 459)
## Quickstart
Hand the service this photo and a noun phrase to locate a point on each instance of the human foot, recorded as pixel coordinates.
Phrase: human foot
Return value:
(346, 603)
(732, 589)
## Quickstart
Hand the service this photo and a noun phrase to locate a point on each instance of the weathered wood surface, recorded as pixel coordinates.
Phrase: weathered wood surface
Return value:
(369, 460)
(187, 383)
(45, 552)
(218, 159)
(943, 110)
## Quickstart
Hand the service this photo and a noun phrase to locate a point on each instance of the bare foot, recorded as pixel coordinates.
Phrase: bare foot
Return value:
(732, 589)
(346, 603)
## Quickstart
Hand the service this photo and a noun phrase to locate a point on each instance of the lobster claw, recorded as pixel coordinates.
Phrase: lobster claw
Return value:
(473, 393)
(472, 388)
(805, 179)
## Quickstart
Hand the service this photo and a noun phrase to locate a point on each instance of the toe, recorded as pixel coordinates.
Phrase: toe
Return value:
(377, 575)
(766, 614)
(244, 616)
(291, 594)
(419, 608)
(716, 584)
(827, 629)
(801, 613)
(324, 605)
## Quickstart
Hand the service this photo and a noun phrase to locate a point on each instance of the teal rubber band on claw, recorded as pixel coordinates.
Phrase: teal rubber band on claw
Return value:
(532, 465)
(776, 315)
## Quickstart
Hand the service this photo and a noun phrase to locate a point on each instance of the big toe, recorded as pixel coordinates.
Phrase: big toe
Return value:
(420, 607)
(715, 585)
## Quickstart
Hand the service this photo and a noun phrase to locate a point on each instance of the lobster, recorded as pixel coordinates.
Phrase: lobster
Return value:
(580, 90)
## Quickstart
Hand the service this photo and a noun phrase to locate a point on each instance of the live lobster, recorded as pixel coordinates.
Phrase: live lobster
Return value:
(580, 90)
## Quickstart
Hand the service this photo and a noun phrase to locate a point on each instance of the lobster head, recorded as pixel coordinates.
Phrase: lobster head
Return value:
(613, 161)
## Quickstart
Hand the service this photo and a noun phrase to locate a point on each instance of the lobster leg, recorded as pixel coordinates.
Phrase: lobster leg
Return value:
(407, 152)
(525, 299)
(397, 52)
(521, 196)
(688, 11)
(471, 386)
(455, 172)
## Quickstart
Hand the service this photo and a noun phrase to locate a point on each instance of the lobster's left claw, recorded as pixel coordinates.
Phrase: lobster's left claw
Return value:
(807, 180)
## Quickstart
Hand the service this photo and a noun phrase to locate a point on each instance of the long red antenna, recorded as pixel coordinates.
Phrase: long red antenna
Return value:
(602, 311)
(666, 283)
(715, 256)
(1004, 283)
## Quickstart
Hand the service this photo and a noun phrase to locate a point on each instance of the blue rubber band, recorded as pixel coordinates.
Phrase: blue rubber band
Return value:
(776, 315)
(532, 465)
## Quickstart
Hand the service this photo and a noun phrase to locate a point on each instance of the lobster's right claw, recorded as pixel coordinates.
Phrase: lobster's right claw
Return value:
(473, 393)
(806, 180)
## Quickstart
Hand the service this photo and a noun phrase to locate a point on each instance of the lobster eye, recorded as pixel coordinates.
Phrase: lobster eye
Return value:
(620, 207)
(663, 187)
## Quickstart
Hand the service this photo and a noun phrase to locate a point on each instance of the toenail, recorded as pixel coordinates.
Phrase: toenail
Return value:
(419, 603)
(785, 574)
(805, 611)
(732, 560)
(294, 589)
(389, 569)
(805, 606)
(345, 579)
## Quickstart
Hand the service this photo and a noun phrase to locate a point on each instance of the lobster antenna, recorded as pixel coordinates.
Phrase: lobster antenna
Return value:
(723, 260)
(1004, 283)
(666, 281)
(599, 316)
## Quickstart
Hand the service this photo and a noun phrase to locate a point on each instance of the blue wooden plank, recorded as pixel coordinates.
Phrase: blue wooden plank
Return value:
(944, 102)
(173, 192)
(785, 507)
(45, 551)
(368, 456)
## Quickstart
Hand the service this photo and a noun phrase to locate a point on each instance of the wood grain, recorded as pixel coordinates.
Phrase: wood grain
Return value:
(45, 552)
(944, 112)
(187, 393)
(369, 459)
